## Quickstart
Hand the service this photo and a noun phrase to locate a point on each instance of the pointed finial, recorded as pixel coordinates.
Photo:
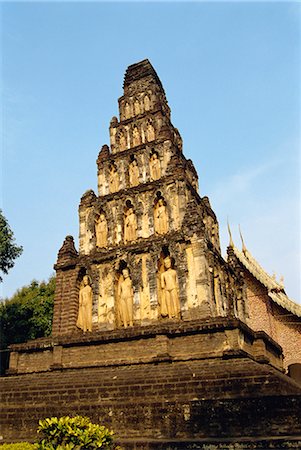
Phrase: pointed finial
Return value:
(274, 275)
(281, 281)
(231, 243)
(244, 248)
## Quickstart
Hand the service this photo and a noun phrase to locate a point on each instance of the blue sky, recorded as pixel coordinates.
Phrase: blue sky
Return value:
(231, 72)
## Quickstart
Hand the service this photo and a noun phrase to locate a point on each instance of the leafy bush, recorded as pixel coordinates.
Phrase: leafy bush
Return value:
(18, 446)
(67, 433)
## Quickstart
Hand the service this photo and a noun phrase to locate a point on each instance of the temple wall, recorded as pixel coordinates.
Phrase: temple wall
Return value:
(143, 344)
(65, 301)
(288, 329)
(143, 204)
(122, 161)
(159, 401)
(259, 307)
(277, 322)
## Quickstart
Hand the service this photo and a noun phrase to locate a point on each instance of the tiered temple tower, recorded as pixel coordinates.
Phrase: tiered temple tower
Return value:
(148, 208)
(150, 330)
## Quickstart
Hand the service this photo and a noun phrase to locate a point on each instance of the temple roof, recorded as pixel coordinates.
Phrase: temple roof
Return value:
(275, 290)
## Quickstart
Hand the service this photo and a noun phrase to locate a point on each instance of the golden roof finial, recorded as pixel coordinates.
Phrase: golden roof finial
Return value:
(281, 281)
(244, 248)
(231, 243)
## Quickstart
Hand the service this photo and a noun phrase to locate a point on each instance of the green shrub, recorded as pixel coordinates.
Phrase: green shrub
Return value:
(67, 433)
(18, 446)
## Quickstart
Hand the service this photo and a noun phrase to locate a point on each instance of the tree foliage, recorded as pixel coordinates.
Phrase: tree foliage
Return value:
(9, 251)
(28, 314)
(68, 433)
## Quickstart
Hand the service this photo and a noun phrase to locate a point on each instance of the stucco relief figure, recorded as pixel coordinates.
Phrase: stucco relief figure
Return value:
(84, 320)
(122, 141)
(88, 233)
(154, 165)
(218, 292)
(144, 293)
(160, 217)
(137, 107)
(136, 137)
(134, 173)
(125, 294)
(114, 179)
(130, 226)
(146, 103)
(240, 305)
(170, 291)
(101, 231)
(127, 111)
(214, 235)
(150, 132)
(161, 299)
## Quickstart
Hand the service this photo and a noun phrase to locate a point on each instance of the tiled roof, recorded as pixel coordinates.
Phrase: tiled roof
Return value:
(275, 290)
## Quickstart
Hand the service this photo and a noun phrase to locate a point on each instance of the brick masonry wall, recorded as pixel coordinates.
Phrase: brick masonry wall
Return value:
(65, 302)
(288, 331)
(174, 340)
(162, 400)
(278, 323)
(259, 307)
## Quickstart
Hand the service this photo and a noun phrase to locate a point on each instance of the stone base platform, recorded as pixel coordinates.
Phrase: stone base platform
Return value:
(175, 385)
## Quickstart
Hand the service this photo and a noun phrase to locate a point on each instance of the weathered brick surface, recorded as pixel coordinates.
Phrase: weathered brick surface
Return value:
(212, 444)
(165, 396)
(65, 301)
(174, 340)
(162, 400)
(280, 324)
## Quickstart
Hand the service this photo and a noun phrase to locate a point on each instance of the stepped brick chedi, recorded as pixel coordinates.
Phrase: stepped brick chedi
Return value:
(148, 242)
(151, 327)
